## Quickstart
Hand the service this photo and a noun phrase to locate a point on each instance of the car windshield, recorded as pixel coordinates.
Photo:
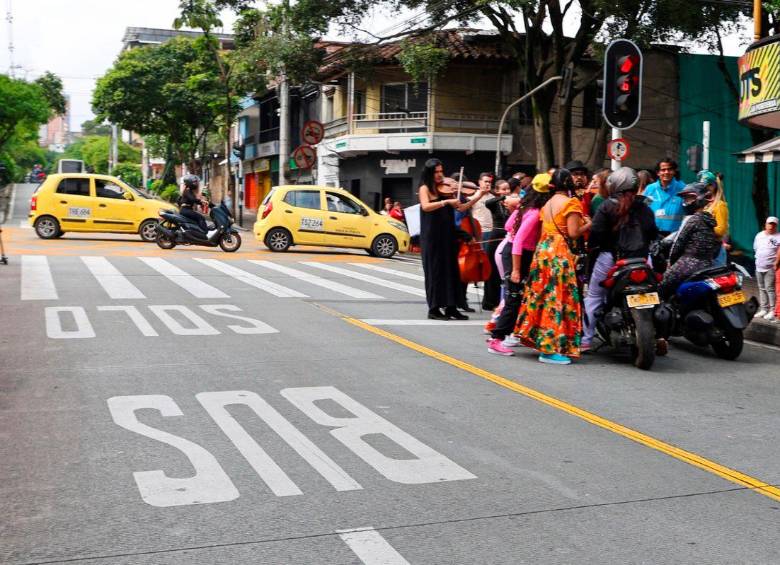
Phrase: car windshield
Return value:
(143, 193)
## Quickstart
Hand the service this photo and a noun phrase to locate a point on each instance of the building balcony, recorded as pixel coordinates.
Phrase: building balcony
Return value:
(398, 121)
(395, 143)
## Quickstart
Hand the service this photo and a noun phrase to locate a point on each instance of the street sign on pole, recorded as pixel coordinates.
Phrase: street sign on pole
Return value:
(618, 149)
(312, 132)
(304, 156)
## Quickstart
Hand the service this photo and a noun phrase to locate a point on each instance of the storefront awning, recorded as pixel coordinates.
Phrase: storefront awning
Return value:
(766, 152)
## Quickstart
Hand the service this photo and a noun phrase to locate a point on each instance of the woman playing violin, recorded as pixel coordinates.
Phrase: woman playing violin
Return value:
(439, 241)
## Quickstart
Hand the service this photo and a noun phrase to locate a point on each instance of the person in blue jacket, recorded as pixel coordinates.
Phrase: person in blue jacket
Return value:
(665, 203)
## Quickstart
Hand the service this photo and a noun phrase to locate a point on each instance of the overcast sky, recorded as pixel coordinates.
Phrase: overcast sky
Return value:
(79, 39)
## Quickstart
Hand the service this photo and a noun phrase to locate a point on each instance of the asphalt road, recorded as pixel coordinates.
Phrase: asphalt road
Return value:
(194, 406)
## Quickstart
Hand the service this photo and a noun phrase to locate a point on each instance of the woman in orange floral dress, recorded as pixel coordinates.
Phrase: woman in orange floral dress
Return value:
(550, 319)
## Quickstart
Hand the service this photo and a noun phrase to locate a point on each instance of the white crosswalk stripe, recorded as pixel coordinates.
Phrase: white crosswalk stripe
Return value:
(251, 279)
(396, 272)
(37, 281)
(366, 278)
(195, 287)
(318, 281)
(113, 282)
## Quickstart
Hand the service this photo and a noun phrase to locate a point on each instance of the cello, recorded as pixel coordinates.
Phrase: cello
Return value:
(473, 261)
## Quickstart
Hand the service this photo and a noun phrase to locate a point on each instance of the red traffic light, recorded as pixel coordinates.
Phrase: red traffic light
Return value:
(628, 63)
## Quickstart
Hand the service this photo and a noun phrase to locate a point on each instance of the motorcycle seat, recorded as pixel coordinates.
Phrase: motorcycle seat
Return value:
(709, 272)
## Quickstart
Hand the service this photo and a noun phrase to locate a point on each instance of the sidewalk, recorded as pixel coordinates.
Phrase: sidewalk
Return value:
(759, 330)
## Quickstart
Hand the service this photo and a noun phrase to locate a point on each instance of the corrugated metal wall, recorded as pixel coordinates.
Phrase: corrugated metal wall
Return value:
(704, 95)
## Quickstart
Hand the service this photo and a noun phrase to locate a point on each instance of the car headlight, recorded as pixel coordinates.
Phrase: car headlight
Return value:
(398, 225)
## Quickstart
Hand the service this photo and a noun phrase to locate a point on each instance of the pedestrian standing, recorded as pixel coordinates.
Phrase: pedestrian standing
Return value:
(645, 178)
(550, 315)
(491, 239)
(598, 188)
(766, 246)
(439, 243)
(523, 232)
(579, 175)
(664, 200)
(777, 285)
(397, 213)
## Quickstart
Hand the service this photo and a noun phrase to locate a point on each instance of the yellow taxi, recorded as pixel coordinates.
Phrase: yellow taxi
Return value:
(92, 203)
(322, 215)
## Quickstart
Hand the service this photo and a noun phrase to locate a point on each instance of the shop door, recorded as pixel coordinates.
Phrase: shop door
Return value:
(251, 200)
(399, 189)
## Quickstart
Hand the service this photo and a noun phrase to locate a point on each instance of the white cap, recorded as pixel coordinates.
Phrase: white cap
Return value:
(772, 220)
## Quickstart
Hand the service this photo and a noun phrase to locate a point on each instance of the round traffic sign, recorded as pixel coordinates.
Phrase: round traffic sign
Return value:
(313, 132)
(304, 156)
(618, 149)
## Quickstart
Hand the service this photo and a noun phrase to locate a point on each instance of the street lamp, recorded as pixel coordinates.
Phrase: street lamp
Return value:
(503, 118)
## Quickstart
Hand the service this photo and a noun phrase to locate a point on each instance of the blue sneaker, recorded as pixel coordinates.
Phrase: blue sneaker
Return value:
(554, 359)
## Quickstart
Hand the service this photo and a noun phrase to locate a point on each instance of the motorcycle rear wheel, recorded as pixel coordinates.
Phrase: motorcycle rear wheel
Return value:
(230, 242)
(730, 346)
(165, 242)
(643, 351)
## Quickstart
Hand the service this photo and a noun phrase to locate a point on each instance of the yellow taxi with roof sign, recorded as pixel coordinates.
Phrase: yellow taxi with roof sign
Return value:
(80, 202)
(326, 216)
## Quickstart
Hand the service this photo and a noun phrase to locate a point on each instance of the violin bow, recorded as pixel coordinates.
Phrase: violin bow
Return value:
(460, 182)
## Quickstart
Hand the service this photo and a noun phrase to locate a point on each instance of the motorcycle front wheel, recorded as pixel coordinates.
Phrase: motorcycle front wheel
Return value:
(230, 242)
(643, 351)
(165, 242)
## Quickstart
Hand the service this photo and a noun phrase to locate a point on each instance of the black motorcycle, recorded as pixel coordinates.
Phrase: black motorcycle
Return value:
(710, 308)
(175, 229)
(626, 319)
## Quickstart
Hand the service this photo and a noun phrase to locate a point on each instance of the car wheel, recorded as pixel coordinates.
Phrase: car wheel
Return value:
(148, 231)
(384, 246)
(47, 227)
(278, 239)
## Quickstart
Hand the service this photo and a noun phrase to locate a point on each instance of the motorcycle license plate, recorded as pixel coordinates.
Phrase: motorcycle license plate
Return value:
(642, 300)
(726, 300)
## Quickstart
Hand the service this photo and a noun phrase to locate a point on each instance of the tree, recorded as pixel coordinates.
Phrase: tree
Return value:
(95, 127)
(51, 88)
(24, 107)
(93, 150)
(169, 90)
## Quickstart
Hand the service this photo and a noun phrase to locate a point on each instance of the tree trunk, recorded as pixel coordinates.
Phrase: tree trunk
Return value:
(760, 190)
(545, 154)
(599, 150)
(564, 131)
(169, 173)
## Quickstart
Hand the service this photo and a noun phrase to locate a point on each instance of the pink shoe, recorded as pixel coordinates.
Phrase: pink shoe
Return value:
(495, 346)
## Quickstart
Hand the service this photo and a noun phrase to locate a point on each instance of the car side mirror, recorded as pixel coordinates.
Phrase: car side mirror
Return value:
(128, 196)
(363, 212)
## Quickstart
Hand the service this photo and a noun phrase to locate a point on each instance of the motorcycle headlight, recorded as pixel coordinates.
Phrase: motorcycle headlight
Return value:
(398, 225)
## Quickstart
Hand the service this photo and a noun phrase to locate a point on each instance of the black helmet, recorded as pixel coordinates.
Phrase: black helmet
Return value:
(702, 194)
(561, 180)
(622, 180)
(190, 181)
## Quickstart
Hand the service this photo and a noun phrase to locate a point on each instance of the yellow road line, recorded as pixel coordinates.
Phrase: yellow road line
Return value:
(686, 456)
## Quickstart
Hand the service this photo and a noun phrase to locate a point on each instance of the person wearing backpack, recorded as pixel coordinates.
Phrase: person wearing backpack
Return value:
(623, 228)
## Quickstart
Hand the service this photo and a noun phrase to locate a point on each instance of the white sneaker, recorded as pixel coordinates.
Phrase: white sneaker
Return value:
(761, 313)
(510, 341)
(211, 233)
(770, 316)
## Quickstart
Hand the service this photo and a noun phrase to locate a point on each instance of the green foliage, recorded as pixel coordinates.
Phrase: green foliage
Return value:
(129, 172)
(170, 193)
(94, 151)
(422, 60)
(51, 88)
(157, 186)
(23, 109)
(95, 127)
(171, 90)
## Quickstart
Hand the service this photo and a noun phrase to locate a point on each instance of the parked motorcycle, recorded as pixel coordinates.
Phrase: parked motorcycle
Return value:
(175, 229)
(626, 319)
(710, 308)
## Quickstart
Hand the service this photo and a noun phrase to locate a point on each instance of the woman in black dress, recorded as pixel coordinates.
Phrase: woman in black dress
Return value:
(439, 242)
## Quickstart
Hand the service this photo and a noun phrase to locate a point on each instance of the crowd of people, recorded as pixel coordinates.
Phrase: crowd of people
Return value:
(553, 237)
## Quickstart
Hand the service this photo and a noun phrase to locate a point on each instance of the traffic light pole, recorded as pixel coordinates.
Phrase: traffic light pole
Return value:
(705, 146)
(615, 164)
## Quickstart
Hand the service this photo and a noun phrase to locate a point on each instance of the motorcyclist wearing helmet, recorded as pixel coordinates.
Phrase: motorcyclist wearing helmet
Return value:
(189, 199)
(695, 246)
(623, 228)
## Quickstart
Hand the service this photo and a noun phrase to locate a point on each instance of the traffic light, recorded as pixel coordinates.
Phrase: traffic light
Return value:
(622, 84)
(694, 153)
(239, 149)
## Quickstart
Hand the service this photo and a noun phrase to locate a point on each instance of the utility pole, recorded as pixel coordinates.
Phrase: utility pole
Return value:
(705, 143)
(114, 148)
(284, 112)
(9, 17)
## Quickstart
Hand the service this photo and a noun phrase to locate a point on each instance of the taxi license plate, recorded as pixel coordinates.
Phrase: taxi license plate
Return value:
(642, 300)
(726, 300)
